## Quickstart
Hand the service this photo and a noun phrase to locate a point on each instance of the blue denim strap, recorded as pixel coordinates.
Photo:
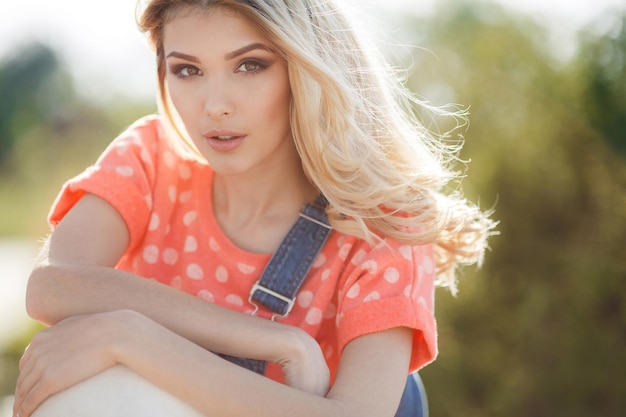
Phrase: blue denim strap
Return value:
(284, 274)
(252, 364)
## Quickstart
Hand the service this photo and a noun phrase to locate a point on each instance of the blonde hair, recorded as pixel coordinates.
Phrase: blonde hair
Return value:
(354, 125)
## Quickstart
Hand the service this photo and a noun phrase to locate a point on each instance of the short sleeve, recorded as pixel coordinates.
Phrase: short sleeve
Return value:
(124, 176)
(391, 286)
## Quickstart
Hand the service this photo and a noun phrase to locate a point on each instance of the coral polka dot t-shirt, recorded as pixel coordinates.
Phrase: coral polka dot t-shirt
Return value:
(164, 197)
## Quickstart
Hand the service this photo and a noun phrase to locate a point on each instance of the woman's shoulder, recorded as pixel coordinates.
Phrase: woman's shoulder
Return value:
(153, 137)
(149, 128)
(357, 253)
(148, 120)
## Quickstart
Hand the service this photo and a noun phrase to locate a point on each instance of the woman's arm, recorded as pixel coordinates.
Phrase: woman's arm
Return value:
(369, 381)
(75, 275)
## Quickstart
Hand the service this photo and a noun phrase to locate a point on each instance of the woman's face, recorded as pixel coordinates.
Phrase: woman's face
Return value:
(231, 90)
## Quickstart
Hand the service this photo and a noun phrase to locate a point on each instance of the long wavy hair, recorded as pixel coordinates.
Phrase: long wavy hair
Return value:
(356, 130)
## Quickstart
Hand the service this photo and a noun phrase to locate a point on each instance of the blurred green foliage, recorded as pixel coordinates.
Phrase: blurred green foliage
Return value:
(541, 329)
(603, 66)
(10, 356)
(48, 134)
(32, 86)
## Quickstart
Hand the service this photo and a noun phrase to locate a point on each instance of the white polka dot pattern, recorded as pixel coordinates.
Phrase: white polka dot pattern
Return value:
(354, 291)
(305, 299)
(170, 256)
(151, 254)
(177, 282)
(154, 222)
(392, 275)
(314, 316)
(125, 171)
(194, 271)
(215, 247)
(191, 244)
(373, 296)
(221, 274)
(206, 295)
(185, 197)
(245, 268)
(189, 218)
(172, 193)
(235, 300)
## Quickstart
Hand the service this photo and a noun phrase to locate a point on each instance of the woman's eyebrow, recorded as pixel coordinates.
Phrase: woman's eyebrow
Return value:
(228, 56)
(247, 48)
(186, 57)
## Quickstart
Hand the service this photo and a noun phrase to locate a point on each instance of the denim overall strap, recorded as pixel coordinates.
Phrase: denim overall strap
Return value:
(286, 270)
(284, 274)
(253, 365)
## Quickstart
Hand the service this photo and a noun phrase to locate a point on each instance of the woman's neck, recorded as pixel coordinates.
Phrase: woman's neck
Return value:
(256, 213)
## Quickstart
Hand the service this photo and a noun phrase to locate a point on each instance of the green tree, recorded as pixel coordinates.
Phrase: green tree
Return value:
(33, 87)
(603, 65)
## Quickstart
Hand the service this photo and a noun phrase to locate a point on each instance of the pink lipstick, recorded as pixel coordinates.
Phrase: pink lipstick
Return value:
(224, 140)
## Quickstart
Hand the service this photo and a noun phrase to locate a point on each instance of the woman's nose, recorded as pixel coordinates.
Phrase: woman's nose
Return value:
(218, 102)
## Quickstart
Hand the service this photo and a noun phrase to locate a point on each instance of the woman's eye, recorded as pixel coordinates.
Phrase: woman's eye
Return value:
(251, 67)
(186, 71)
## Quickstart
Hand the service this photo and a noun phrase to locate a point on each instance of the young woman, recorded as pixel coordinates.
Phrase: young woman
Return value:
(267, 106)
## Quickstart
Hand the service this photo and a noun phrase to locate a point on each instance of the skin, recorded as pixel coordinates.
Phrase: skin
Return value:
(259, 188)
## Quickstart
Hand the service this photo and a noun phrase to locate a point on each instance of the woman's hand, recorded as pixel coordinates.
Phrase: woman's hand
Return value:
(304, 366)
(64, 355)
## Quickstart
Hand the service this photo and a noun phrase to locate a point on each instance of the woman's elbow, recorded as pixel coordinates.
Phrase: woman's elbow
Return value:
(43, 294)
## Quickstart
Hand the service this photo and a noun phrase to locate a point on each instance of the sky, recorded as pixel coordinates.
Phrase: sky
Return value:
(102, 48)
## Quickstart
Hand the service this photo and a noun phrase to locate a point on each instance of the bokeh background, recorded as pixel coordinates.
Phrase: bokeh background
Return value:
(541, 329)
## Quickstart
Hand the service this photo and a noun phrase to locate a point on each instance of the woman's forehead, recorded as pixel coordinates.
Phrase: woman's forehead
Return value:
(197, 27)
(196, 24)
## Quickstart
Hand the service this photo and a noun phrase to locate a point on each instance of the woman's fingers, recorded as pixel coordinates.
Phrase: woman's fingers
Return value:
(33, 397)
(24, 358)
(305, 368)
(37, 378)
(62, 356)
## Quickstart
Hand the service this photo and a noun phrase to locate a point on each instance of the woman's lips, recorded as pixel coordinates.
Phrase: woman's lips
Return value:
(224, 141)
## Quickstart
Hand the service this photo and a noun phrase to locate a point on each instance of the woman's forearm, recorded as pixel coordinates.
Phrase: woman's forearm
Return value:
(56, 292)
(212, 385)
(369, 381)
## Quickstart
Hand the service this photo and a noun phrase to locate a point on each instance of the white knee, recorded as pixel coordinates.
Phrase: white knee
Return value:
(116, 392)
